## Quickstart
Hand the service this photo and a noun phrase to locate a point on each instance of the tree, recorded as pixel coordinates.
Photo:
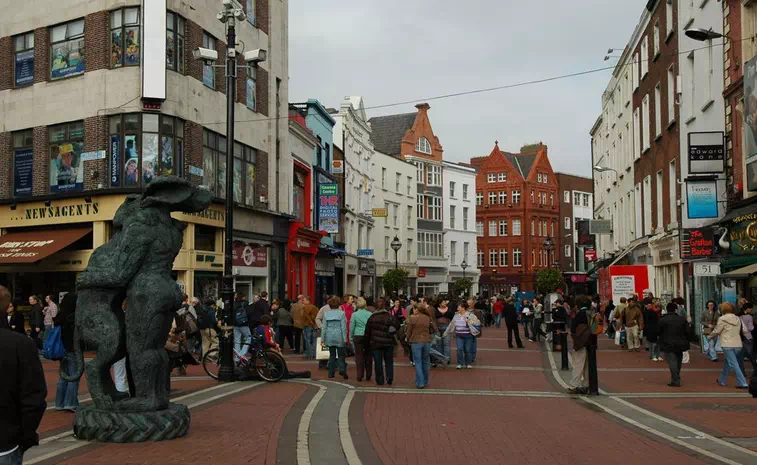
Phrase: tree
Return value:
(462, 286)
(549, 280)
(394, 280)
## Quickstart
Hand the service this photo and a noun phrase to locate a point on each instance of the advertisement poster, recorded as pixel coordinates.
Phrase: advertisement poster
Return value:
(702, 199)
(68, 59)
(66, 170)
(149, 156)
(25, 68)
(131, 168)
(23, 163)
(328, 208)
(166, 156)
(115, 161)
(623, 286)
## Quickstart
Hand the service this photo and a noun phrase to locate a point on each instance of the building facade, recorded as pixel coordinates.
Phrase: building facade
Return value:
(460, 224)
(516, 211)
(576, 207)
(102, 97)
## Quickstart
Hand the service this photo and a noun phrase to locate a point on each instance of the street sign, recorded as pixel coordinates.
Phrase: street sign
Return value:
(706, 152)
(706, 268)
(380, 212)
(364, 252)
(600, 226)
(337, 167)
(590, 255)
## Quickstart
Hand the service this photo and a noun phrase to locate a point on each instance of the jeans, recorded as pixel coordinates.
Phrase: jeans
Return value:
(336, 356)
(580, 369)
(242, 336)
(119, 375)
(381, 357)
(654, 350)
(422, 357)
(14, 458)
(674, 360)
(443, 347)
(363, 358)
(526, 326)
(67, 393)
(749, 353)
(465, 349)
(732, 363)
(497, 319)
(474, 350)
(537, 328)
(308, 336)
(709, 348)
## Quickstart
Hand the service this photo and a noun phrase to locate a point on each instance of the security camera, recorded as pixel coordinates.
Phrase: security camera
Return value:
(255, 56)
(205, 54)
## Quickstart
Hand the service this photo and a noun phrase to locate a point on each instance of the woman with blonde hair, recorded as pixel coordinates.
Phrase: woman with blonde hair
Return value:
(728, 329)
(363, 356)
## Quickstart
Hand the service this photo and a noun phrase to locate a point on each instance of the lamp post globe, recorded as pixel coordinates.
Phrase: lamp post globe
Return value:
(396, 246)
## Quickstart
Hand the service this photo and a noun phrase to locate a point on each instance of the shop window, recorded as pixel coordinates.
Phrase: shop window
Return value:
(214, 163)
(23, 49)
(208, 71)
(175, 42)
(124, 37)
(66, 147)
(298, 196)
(252, 88)
(23, 163)
(205, 238)
(245, 159)
(67, 49)
(142, 146)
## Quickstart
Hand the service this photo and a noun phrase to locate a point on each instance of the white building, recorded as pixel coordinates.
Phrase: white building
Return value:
(396, 191)
(353, 133)
(459, 192)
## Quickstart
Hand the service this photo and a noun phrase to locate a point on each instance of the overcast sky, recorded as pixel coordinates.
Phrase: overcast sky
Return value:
(397, 50)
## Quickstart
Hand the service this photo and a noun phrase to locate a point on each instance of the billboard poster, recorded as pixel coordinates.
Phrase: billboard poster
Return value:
(115, 161)
(66, 167)
(328, 208)
(131, 168)
(67, 59)
(23, 163)
(702, 199)
(25, 68)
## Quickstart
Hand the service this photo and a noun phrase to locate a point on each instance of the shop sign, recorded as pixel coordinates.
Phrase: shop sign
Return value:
(115, 161)
(303, 244)
(209, 216)
(89, 156)
(367, 267)
(328, 208)
(245, 254)
(578, 278)
(706, 269)
(706, 152)
(380, 212)
(421, 272)
(65, 211)
(743, 234)
(600, 226)
(337, 166)
(698, 243)
(23, 165)
(702, 199)
(590, 255)
(364, 252)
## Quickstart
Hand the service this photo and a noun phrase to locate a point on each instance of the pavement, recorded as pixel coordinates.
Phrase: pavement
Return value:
(511, 408)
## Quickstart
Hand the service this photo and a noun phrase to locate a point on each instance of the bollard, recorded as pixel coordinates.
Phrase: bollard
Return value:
(564, 351)
(593, 374)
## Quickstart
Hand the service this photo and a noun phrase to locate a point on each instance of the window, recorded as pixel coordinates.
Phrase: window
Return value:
(175, 42)
(568, 248)
(637, 202)
(409, 250)
(205, 238)
(503, 227)
(502, 257)
(567, 223)
(214, 163)
(516, 227)
(657, 39)
(67, 49)
(465, 218)
(516, 257)
(430, 244)
(480, 228)
(479, 198)
(409, 216)
(251, 89)
(208, 71)
(124, 37)
(516, 197)
(539, 227)
(434, 175)
(659, 199)
(465, 192)
(386, 247)
(576, 199)
(501, 177)
(553, 229)
(421, 210)
(646, 128)
(538, 177)
(552, 199)
(672, 191)
(419, 175)
(544, 178)
(23, 163)
(251, 11)
(658, 109)
(532, 196)
(644, 56)
(66, 166)
(533, 228)
(671, 94)
(395, 215)
(566, 196)
(480, 258)
(491, 177)
(492, 228)
(647, 192)
(493, 257)
(503, 198)
(434, 208)
(409, 185)
(383, 178)
(452, 216)
(453, 252)
(466, 249)
(668, 17)
(585, 200)
(692, 85)
(636, 130)
(452, 189)
(492, 198)
(245, 163)
(23, 49)
(423, 146)
(708, 78)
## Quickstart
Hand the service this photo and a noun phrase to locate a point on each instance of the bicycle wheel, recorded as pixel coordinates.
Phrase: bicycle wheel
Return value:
(211, 363)
(270, 366)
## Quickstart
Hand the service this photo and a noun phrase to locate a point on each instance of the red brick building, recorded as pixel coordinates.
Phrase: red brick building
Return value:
(516, 211)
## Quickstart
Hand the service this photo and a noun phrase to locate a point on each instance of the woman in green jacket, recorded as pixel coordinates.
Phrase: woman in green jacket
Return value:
(363, 357)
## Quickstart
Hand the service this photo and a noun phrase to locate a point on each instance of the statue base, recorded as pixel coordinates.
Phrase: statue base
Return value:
(92, 424)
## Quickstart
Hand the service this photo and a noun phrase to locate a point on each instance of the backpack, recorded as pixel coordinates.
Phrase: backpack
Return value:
(596, 322)
(240, 316)
(53, 348)
(191, 322)
(332, 329)
(205, 317)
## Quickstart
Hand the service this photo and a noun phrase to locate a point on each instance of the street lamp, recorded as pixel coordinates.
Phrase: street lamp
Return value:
(702, 35)
(396, 246)
(549, 246)
(232, 12)
(602, 169)
(464, 266)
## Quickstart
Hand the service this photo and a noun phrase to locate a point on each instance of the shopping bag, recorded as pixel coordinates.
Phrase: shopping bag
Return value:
(53, 348)
(321, 352)
(618, 335)
(622, 336)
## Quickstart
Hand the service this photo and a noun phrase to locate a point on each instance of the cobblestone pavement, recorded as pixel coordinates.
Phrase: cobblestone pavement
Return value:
(511, 408)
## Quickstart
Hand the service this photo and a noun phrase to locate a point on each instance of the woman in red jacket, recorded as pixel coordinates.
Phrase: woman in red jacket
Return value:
(498, 308)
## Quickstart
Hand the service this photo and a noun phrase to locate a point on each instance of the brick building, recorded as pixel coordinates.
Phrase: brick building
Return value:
(98, 101)
(516, 211)
(576, 204)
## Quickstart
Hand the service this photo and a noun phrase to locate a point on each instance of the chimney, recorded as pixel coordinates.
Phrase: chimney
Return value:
(423, 107)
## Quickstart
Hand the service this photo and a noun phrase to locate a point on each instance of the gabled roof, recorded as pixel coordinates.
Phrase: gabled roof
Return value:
(521, 162)
(387, 132)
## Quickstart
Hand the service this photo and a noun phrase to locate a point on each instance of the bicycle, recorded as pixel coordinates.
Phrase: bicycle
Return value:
(269, 364)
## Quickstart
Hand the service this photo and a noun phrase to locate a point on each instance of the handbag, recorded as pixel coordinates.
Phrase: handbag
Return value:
(321, 352)
(53, 348)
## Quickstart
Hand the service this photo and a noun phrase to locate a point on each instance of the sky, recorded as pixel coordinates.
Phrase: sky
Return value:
(391, 51)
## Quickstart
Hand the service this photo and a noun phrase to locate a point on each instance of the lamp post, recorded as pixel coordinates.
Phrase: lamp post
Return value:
(232, 12)
(464, 266)
(396, 246)
(701, 35)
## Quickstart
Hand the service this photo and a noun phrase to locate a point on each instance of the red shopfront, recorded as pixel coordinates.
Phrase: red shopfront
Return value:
(301, 252)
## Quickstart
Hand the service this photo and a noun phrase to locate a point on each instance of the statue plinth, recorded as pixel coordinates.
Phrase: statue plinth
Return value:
(93, 424)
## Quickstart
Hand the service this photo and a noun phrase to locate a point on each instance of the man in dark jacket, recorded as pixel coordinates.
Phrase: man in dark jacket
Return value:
(258, 309)
(36, 320)
(22, 392)
(672, 330)
(511, 321)
(580, 333)
(380, 332)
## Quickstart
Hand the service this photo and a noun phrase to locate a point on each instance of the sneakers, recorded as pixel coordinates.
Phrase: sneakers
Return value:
(459, 367)
(673, 385)
(469, 367)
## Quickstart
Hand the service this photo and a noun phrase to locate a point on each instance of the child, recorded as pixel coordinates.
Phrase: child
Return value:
(265, 333)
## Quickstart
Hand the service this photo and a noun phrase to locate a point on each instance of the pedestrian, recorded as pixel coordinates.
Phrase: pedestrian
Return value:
(609, 308)
(580, 333)
(401, 314)
(50, 310)
(538, 319)
(259, 308)
(480, 317)
(380, 334)
(348, 306)
(498, 308)
(673, 341)
(747, 335)
(443, 317)
(710, 318)
(286, 325)
(363, 356)
(728, 329)
(298, 317)
(313, 320)
(242, 332)
(420, 326)
(22, 391)
(634, 323)
(511, 321)
(67, 393)
(36, 320)
(14, 320)
(464, 325)
(525, 317)
(651, 331)
(334, 336)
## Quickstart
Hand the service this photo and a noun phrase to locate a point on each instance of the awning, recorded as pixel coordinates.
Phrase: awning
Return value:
(741, 273)
(33, 246)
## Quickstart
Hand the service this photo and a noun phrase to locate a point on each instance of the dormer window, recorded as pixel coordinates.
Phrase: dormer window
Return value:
(423, 146)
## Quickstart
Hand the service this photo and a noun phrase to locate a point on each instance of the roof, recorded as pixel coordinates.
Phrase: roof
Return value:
(521, 162)
(387, 132)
